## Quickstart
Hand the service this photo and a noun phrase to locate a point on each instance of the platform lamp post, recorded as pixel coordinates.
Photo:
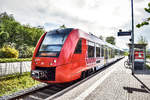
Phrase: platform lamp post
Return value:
(130, 33)
(132, 37)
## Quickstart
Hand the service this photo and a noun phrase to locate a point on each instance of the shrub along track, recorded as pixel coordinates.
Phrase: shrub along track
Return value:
(51, 91)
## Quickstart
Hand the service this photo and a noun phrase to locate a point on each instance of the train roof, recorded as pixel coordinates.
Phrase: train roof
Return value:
(95, 39)
(91, 37)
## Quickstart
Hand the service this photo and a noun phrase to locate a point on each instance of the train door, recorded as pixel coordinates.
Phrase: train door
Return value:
(102, 55)
(105, 55)
(109, 54)
(78, 58)
(116, 54)
(99, 56)
(113, 54)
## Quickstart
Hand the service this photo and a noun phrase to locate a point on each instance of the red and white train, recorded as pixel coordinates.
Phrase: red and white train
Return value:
(64, 55)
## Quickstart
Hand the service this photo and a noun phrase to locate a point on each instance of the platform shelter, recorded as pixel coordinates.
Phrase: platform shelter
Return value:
(139, 55)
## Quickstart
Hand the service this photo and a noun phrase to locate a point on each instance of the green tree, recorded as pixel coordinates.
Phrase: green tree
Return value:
(8, 28)
(3, 37)
(5, 16)
(13, 34)
(111, 40)
(142, 40)
(63, 26)
(101, 37)
(12, 31)
(146, 22)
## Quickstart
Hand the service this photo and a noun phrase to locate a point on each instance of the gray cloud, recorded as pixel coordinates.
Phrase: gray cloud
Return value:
(88, 15)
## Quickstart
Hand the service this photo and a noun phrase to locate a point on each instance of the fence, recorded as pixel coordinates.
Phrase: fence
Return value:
(14, 67)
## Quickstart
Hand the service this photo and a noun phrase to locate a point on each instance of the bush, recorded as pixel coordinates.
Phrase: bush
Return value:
(148, 56)
(147, 66)
(25, 51)
(29, 51)
(126, 53)
(8, 52)
(5, 60)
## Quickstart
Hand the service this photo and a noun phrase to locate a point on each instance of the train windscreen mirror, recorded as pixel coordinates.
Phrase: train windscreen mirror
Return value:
(78, 48)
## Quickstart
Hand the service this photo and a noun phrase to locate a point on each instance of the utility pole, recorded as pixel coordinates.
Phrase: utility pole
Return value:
(132, 37)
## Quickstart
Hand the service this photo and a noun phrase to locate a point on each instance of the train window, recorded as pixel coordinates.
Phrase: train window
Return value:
(53, 42)
(97, 50)
(91, 49)
(112, 53)
(78, 48)
(102, 51)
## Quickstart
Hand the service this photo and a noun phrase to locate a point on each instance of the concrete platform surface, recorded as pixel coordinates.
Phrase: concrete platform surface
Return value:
(114, 83)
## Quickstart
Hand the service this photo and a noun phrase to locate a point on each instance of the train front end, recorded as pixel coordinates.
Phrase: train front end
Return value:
(50, 62)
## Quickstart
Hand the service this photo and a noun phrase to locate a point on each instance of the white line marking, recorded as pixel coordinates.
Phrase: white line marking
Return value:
(83, 95)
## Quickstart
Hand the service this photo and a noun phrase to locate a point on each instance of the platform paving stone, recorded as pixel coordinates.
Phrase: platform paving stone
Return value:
(122, 85)
(119, 85)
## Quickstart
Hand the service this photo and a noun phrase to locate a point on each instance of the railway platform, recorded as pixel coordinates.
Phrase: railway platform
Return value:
(113, 83)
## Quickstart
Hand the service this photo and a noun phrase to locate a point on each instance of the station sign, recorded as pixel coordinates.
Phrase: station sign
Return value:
(124, 33)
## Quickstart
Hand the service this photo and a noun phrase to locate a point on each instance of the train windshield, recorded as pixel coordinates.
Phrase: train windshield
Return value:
(53, 42)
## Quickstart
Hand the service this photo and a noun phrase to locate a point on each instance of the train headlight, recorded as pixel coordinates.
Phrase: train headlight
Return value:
(50, 63)
(54, 61)
(36, 61)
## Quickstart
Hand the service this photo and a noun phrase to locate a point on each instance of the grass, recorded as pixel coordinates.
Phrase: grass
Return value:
(148, 63)
(9, 85)
(4, 60)
(148, 66)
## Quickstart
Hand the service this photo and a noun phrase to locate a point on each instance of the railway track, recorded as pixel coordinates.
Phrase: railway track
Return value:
(44, 93)
(51, 91)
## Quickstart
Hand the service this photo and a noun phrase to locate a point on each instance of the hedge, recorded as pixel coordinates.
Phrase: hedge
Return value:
(5, 60)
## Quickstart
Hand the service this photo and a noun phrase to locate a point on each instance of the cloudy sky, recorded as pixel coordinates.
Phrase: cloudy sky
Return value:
(100, 17)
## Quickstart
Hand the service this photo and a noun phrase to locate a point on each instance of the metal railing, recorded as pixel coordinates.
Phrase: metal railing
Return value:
(14, 67)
